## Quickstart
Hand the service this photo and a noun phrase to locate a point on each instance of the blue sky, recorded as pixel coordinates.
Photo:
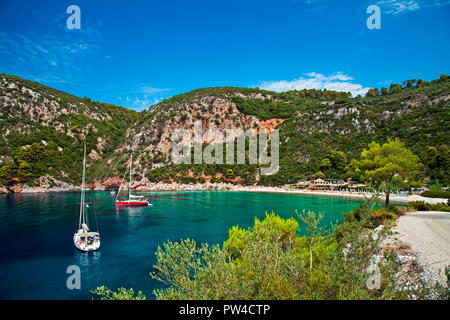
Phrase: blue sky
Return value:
(136, 53)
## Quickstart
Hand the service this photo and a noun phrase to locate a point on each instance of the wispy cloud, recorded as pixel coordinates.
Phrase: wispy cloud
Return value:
(143, 97)
(148, 91)
(139, 104)
(337, 82)
(50, 55)
(396, 7)
(441, 3)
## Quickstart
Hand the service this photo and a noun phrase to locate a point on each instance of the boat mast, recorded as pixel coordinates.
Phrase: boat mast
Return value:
(82, 206)
(131, 164)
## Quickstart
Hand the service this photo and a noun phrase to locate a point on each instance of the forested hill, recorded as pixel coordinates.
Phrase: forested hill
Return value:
(42, 132)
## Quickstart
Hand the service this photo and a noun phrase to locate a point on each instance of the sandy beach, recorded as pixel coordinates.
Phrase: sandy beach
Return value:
(231, 187)
(160, 186)
(348, 194)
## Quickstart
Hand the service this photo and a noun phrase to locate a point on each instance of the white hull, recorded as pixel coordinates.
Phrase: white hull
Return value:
(86, 243)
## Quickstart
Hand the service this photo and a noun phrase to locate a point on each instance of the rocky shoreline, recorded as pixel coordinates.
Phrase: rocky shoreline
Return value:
(43, 184)
(59, 186)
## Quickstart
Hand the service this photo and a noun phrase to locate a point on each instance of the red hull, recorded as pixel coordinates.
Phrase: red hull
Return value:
(131, 203)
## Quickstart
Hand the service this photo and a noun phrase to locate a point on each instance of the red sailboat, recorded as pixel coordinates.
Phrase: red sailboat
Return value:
(134, 201)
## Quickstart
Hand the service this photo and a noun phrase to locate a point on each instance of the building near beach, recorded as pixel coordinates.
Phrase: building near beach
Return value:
(320, 183)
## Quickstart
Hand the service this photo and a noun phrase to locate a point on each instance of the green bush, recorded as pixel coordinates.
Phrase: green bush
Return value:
(436, 194)
(382, 215)
(395, 210)
(270, 261)
(120, 294)
(423, 206)
(418, 205)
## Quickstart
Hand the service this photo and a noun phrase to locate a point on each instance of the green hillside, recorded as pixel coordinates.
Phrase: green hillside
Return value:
(43, 131)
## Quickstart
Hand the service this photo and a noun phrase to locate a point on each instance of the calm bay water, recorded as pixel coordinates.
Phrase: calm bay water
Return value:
(36, 235)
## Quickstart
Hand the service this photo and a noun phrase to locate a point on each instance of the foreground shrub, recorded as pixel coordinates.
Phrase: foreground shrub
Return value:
(120, 294)
(436, 194)
(371, 217)
(270, 261)
(383, 215)
(423, 206)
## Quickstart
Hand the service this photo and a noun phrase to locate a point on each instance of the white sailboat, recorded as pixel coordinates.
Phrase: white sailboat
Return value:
(84, 239)
(135, 201)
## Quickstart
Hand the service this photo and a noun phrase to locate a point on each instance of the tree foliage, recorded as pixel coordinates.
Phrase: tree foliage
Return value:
(389, 164)
(268, 261)
(285, 259)
(437, 163)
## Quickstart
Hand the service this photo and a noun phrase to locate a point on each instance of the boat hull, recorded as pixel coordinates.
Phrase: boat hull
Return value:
(83, 245)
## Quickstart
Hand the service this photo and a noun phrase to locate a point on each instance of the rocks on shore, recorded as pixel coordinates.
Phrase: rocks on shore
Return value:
(186, 187)
(44, 184)
(4, 190)
(49, 184)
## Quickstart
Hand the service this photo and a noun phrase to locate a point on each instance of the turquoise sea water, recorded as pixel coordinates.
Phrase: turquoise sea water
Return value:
(36, 235)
